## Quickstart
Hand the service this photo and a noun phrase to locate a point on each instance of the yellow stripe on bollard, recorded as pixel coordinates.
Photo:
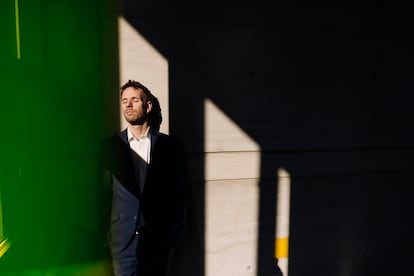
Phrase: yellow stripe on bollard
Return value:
(281, 248)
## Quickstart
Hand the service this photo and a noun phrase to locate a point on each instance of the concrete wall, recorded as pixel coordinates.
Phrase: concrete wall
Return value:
(296, 117)
(320, 91)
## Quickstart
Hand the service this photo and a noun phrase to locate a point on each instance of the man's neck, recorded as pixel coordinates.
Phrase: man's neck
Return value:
(138, 130)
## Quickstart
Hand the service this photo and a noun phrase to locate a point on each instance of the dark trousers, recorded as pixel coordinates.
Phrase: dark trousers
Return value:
(151, 258)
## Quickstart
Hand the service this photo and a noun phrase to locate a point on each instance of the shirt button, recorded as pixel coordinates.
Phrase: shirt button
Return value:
(135, 217)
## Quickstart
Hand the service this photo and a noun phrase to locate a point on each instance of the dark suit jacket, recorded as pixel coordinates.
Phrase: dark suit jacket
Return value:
(162, 200)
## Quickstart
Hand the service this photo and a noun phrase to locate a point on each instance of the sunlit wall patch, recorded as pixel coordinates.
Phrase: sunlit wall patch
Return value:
(141, 61)
(232, 172)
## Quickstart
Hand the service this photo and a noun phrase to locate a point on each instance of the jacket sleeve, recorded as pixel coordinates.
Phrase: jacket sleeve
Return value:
(104, 199)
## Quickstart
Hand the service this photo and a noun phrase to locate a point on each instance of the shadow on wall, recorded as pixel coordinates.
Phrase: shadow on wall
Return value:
(311, 86)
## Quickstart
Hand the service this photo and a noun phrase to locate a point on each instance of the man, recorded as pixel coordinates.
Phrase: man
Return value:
(146, 170)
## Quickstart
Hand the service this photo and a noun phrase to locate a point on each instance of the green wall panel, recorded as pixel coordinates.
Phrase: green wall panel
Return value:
(57, 89)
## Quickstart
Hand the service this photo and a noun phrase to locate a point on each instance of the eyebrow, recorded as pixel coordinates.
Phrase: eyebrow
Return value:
(134, 97)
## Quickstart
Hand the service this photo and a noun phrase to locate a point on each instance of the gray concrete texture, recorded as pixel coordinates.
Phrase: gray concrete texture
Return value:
(322, 90)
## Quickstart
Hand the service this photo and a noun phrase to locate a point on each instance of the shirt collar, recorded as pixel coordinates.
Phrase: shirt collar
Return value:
(132, 137)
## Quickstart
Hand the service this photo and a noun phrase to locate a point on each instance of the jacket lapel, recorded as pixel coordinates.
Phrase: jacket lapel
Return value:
(124, 136)
(154, 137)
(128, 164)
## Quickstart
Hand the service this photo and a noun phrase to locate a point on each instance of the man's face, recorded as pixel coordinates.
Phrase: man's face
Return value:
(133, 106)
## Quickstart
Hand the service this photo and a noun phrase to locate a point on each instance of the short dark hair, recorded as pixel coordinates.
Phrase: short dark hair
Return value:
(154, 117)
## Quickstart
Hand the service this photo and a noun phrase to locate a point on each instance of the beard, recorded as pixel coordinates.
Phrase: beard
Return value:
(136, 119)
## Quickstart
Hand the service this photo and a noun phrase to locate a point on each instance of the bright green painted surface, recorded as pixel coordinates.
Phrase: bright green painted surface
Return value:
(58, 86)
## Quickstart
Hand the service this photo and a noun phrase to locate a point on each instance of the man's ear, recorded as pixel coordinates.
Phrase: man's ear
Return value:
(149, 106)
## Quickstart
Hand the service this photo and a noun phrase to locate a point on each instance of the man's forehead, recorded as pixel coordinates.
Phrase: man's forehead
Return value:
(132, 92)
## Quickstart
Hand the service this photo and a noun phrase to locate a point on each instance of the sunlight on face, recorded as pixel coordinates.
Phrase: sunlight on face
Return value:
(134, 108)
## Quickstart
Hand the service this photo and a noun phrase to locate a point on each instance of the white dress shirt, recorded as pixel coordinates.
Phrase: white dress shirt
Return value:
(141, 145)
